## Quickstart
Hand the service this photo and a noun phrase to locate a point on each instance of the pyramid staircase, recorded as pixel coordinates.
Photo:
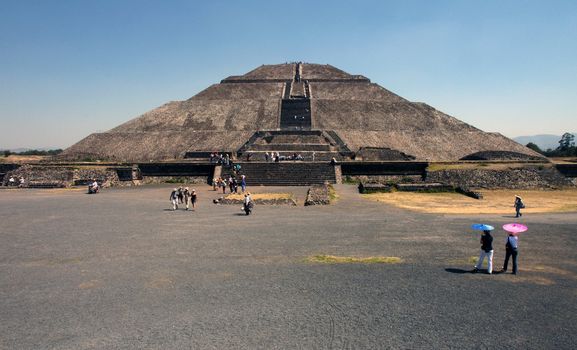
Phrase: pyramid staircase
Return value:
(312, 145)
(295, 114)
(295, 137)
(296, 104)
(285, 173)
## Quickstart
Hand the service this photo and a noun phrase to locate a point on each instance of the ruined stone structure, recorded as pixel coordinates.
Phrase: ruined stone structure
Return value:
(297, 108)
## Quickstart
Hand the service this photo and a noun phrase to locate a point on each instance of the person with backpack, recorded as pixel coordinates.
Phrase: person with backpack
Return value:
(247, 203)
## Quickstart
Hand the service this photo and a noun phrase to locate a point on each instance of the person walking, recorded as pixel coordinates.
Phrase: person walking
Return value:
(186, 194)
(231, 184)
(193, 198)
(180, 195)
(248, 204)
(486, 251)
(243, 183)
(511, 250)
(174, 199)
(223, 186)
(518, 206)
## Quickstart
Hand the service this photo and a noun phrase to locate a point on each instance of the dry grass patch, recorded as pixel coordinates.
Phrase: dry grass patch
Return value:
(333, 195)
(16, 158)
(331, 259)
(90, 284)
(494, 201)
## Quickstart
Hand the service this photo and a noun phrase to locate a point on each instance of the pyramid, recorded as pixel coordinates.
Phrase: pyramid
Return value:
(297, 107)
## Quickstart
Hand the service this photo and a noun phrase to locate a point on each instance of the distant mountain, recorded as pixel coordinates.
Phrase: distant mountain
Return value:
(544, 141)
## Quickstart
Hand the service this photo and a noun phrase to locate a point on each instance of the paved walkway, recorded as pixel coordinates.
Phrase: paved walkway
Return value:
(119, 270)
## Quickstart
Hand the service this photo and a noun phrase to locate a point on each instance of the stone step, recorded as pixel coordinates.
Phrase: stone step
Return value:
(290, 147)
(320, 156)
(288, 174)
(295, 114)
(45, 185)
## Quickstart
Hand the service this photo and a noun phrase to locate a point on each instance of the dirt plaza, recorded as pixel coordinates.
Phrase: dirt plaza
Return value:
(120, 270)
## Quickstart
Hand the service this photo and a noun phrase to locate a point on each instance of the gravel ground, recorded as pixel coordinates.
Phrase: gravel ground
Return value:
(119, 270)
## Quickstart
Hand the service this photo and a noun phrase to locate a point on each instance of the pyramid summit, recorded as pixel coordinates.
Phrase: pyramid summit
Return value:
(297, 108)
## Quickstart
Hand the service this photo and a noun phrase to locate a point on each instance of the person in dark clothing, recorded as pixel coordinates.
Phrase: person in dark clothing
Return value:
(518, 206)
(180, 195)
(486, 250)
(193, 198)
(511, 250)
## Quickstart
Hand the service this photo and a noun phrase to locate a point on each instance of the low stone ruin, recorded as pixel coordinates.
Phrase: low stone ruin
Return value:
(318, 195)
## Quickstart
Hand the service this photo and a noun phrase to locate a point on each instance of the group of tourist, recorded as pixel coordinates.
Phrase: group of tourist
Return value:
(232, 183)
(275, 157)
(511, 244)
(12, 181)
(511, 250)
(219, 158)
(183, 196)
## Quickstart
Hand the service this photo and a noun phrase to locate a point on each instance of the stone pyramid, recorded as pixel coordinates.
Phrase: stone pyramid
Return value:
(358, 119)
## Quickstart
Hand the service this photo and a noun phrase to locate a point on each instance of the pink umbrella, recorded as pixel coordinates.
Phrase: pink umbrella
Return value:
(514, 228)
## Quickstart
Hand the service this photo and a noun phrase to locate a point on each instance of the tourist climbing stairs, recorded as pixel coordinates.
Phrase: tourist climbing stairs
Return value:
(295, 114)
(311, 145)
(285, 173)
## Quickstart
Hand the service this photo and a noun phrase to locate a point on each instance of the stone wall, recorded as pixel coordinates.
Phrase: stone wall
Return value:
(63, 176)
(179, 180)
(382, 179)
(58, 176)
(383, 168)
(529, 178)
(105, 177)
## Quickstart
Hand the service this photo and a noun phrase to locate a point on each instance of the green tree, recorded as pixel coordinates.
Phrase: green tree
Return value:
(567, 141)
(566, 146)
(534, 147)
(7, 153)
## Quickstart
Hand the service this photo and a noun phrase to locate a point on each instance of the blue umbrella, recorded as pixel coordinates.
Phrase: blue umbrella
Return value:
(482, 227)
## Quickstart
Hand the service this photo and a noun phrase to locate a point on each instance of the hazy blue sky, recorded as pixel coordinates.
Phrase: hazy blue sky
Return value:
(70, 68)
